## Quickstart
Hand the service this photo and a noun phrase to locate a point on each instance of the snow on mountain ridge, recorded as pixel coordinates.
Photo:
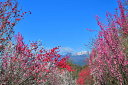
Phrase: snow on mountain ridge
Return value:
(82, 53)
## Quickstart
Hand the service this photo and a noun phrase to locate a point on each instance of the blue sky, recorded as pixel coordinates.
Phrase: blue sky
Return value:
(63, 22)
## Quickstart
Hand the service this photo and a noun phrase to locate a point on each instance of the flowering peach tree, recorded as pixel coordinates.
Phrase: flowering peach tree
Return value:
(30, 64)
(109, 57)
(9, 16)
(23, 64)
(85, 77)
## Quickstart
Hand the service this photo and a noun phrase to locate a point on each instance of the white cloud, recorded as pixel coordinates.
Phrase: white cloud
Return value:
(82, 53)
(66, 50)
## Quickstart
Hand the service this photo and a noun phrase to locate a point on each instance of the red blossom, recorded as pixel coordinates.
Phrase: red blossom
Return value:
(84, 77)
(33, 63)
(18, 19)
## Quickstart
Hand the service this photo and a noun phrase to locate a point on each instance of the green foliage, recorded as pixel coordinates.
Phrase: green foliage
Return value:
(77, 69)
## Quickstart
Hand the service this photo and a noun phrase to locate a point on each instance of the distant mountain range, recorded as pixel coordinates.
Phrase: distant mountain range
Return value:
(79, 58)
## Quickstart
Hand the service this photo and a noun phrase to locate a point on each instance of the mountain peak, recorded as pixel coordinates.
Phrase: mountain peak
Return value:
(82, 53)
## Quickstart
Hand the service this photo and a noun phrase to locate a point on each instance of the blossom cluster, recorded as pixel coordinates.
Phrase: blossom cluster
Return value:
(10, 14)
(27, 64)
(108, 59)
(31, 64)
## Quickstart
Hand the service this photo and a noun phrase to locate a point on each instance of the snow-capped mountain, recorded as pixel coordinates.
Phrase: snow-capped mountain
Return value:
(79, 57)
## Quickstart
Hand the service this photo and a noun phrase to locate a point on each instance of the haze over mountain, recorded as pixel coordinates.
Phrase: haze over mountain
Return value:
(78, 58)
